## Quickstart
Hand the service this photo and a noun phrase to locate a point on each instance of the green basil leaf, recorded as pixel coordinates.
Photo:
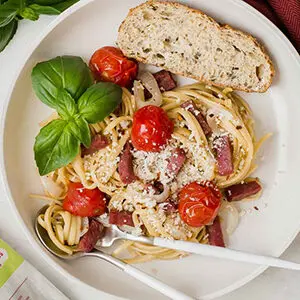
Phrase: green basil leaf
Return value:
(65, 105)
(9, 10)
(80, 129)
(6, 33)
(62, 6)
(29, 14)
(55, 146)
(7, 13)
(99, 101)
(45, 10)
(68, 72)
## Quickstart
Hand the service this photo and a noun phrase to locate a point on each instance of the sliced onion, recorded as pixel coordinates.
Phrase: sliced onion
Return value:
(221, 113)
(52, 187)
(84, 226)
(138, 91)
(163, 196)
(151, 85)
(212, 116)
(230, 217)
(211, 119)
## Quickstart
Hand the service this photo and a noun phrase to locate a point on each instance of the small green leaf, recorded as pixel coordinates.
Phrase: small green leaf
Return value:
(65, 105)
(6, 33)
(80, 129)
(55, 146)
(62, 6)
(9, 10)
(68, 72)
(45, 10)
(7, 13)
(99, 101)
(29, 13)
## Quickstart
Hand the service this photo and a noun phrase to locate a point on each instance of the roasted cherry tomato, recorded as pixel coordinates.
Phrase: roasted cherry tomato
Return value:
(84, 202)
(151, 129)
(109, 64)
(199, 203)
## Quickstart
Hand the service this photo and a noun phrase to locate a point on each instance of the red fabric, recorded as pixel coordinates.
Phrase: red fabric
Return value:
(283, 13)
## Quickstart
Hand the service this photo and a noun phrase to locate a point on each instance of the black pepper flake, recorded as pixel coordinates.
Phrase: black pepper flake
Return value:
(159, 55)
(256, 208)
(239, 127)
(211, 115)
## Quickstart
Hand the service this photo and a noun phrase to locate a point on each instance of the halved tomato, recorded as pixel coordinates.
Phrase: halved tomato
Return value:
(199, 203)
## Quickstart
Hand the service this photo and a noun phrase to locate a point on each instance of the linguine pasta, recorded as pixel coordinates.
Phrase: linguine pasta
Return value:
(228, 115)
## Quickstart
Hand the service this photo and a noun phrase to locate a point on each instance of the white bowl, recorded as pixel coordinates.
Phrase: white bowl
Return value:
(92, 24)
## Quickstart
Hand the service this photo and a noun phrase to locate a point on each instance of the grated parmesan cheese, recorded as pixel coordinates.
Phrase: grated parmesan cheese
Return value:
(151, 166)
(124, 124)
(177, 228)
(139, 195)
(100, 162)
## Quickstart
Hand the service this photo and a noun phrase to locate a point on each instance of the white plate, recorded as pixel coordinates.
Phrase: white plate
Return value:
(92, 24)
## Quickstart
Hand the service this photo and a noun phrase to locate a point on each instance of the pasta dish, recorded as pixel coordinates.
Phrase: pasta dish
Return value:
(162, 161)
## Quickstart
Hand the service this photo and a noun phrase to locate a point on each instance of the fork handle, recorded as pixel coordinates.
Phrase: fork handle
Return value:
(156, 284)
(141, 276)
(226, 253)
(218, 252)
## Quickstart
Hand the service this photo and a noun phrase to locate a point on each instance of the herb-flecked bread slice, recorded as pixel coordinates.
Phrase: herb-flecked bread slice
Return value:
(187, 42)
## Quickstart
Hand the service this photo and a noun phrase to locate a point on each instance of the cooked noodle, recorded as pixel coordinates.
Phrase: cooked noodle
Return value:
(232, 117)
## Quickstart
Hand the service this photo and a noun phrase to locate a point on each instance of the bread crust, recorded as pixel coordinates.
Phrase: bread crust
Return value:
(221, 28)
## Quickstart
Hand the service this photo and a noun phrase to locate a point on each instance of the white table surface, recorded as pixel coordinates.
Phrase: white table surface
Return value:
(273, 284)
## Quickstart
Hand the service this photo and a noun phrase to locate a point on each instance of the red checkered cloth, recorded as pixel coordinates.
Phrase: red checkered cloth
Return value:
(283, 13)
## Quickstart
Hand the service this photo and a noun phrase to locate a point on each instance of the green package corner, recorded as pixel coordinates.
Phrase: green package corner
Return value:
(10, 260)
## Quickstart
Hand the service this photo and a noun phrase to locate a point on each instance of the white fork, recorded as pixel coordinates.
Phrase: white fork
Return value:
(113, 233)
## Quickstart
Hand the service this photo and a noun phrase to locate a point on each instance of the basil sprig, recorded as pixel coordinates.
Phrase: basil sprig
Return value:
(65, 84)
(7, 32)
(11, 11)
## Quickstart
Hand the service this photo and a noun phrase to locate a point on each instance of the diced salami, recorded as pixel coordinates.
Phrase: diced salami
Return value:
(120, 218)
(242, 190)
(222, 147)
(165, 82)
(98, 142)
(176, 161)
(215, 235)
(157, 187)
(192, 108)
(169, 206)
(89, 240)
(125, 167)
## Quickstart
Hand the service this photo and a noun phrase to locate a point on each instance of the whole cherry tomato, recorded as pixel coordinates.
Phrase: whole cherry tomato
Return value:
(109, 64)
(84, 202)
(199, 203)
(151, 128)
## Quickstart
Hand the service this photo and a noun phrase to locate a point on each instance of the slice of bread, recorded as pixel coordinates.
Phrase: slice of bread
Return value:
(187, 42)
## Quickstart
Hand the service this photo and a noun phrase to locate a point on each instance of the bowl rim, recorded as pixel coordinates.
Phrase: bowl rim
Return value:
(46, 256)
